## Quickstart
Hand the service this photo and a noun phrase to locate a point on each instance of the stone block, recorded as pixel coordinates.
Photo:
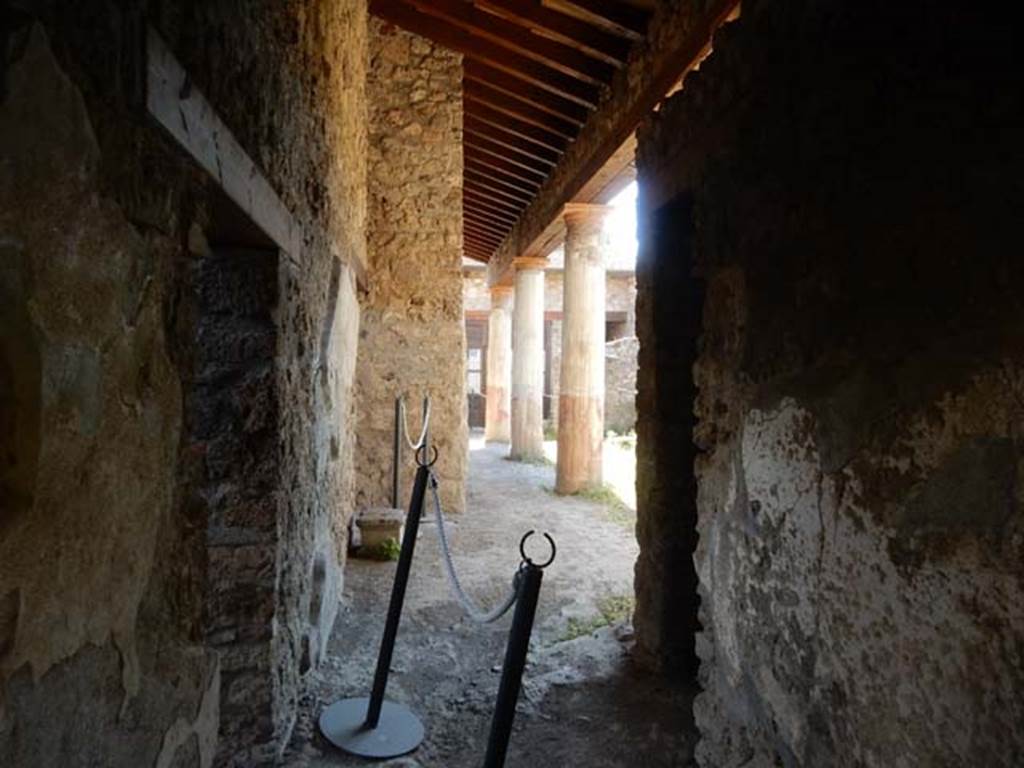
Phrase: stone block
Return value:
(379, 524)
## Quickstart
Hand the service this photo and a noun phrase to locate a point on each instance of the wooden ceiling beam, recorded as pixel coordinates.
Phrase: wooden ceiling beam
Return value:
(490, 147)
(490, 208)
(532, 178)
(484, 182)
(525, 91)
(456, 39)
(475, 255)
(563, 27)
(481, 93)
(499, 178)
(541, 136)
(478, 233)
(477, 242)
(621, 18)
(507, 34)
(493, 133)
(483, 197)
(488, 241)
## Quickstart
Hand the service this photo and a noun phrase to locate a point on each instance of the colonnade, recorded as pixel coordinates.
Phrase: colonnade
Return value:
(515, 356)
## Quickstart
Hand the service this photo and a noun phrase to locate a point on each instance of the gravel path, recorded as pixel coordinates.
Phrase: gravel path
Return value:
(583, 702)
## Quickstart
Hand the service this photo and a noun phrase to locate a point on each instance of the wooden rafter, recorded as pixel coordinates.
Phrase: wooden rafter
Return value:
(492, 97)
(544, 100)
(499, 31)
(493, 133)
(456, 39)
(563, 27)
(524, 130)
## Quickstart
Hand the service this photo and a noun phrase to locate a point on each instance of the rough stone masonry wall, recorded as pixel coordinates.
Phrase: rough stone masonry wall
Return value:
(412, 338)
(853, 173)
(114, 519)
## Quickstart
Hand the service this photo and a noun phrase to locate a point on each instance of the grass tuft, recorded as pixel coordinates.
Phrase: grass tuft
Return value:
(611, 610)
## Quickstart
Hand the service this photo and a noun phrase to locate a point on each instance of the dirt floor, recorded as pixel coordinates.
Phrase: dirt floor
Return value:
(583, 702)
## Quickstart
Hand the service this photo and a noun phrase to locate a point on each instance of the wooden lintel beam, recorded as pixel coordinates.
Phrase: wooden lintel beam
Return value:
(532, 133)
(524, 91)
(456, 39)
(560, 26)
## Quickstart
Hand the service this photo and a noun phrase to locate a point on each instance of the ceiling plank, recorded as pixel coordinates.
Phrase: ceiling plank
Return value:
(490, 208)
(495, 134)
(560, 26)
(532, 178)
(452, 37)
(507, 34)
(471, 199)
(483, 182)
(479, 234)
(482, 198)
(513, 156)
(525, 91)
(492, 97)
(484, 224)
(524, 130)
(620, 18)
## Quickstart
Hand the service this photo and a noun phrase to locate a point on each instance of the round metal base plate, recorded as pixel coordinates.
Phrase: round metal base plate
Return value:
(398, 732)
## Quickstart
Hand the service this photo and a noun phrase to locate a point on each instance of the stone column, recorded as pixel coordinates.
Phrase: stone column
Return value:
(581, 385)
(498, 425)
(528, 360)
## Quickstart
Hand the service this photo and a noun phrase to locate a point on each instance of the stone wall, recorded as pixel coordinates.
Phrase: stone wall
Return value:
(160, 393)
(412, 340)
(837, 201)
(620, 364)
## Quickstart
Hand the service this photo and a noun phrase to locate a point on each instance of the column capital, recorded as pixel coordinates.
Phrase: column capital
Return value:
(529, 262)
(582, 212)
(500, 291)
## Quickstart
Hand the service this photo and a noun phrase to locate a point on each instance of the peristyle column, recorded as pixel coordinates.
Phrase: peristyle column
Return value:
(581, 385)
(528, 359)
(498, 425)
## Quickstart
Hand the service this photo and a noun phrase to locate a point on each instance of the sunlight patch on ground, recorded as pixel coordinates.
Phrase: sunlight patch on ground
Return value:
(619, 466)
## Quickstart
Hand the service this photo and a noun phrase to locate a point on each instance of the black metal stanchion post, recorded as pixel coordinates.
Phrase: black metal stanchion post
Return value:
(515, 658)
(372, 727)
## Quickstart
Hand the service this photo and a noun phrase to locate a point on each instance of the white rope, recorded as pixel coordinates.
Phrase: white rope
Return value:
(468, 605)
(405, 426)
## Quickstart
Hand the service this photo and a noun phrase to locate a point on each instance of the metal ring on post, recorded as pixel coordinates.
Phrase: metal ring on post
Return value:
(522, 550)
(420, 462)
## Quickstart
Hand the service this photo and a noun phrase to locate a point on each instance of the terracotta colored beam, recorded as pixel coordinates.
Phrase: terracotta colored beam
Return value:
(484, 94)
(524, 91)
(456, 39)
(509, 35)
(621, 18)
(472, 125)
(524, 130)
(563, 27)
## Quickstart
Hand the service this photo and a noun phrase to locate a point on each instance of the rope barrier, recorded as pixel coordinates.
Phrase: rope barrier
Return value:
(470, 607)
(405, 426)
